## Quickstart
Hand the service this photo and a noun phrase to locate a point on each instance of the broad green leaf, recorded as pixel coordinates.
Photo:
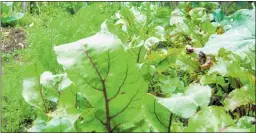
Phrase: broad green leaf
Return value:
(186, 105)
(31, 92)
(201, 94)
(219, 67)
(53, 85)
(63, 120)
(49, 87)
(39, 123)
(239, 97)
(211, 119)
(239, 39)
(68, 98)
(106, 75)
(12, 18)
(89, 122)
(156, 114)
(240, 17)
(182, 106)
(141, 126)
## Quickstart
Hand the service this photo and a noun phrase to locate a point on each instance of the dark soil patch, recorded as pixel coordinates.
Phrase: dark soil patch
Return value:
(12, 39)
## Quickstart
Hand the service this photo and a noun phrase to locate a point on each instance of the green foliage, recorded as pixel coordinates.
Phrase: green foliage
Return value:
(116, 67)
(186, 105)
(16, 113)
(8, 16)
(211, 119)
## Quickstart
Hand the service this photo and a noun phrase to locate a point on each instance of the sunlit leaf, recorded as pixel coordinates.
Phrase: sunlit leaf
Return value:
(106, 75)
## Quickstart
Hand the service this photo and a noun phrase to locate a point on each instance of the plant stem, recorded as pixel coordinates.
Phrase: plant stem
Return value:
(170, 123)
(107, 107)
(40, 90)
(45, 106)
(104, 93)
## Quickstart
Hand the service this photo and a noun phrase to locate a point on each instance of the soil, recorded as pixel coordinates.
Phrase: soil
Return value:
(12, 38)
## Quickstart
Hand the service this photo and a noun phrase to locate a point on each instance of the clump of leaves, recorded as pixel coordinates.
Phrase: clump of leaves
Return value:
(107, 79)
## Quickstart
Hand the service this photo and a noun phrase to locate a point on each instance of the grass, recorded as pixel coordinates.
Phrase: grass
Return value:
(16, 113)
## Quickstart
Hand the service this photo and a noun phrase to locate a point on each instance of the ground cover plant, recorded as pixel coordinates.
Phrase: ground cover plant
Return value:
(132, 67)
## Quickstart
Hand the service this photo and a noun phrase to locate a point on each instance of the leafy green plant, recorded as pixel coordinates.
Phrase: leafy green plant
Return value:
(128, 74)
(8, 16)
